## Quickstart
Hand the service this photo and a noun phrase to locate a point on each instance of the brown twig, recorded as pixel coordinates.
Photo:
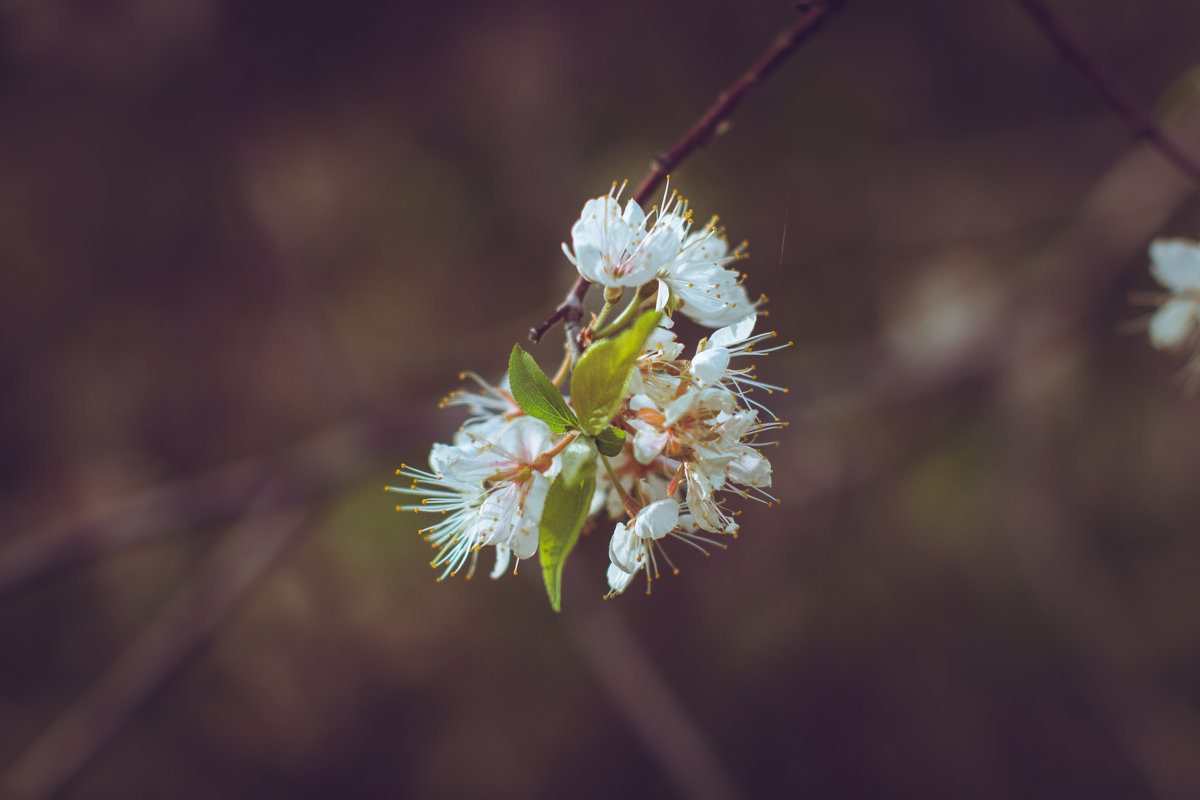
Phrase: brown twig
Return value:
(813, 17)
(1123, 105)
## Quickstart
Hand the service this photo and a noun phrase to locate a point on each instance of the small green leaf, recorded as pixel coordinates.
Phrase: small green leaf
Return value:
(610, 441)
(598, 385)
(535, 394)
(566, 510)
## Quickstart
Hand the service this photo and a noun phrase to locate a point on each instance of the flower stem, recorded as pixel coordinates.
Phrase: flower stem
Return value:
(561, 375)
(632, 507)
(543, 461)
(603, 314)
(626, 314)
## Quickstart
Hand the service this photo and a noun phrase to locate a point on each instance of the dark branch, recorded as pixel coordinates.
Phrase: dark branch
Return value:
(1123, 105)
(813, 18)
(570, 310)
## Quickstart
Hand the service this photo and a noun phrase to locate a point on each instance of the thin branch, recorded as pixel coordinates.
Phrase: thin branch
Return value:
(175, 633)
(1121, 102)
(570, 310)
(812, 20)
(813, 17)
(311, 467)
(649, 704)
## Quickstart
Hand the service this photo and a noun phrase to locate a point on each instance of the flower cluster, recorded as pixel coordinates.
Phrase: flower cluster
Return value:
(654, 441)
(685, 268)
(1175, 264)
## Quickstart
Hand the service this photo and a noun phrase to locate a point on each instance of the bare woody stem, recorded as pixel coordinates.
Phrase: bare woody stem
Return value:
(1123, 105)
(812, 18)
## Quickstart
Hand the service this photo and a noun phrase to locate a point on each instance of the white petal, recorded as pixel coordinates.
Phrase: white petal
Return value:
(661, 246)
(525, 539)
(570, 256)
(657, 519)
(648, 444)
(468, 465)
(710, 293)
(498, 515)
(640, 401)
(634, 215)
(664, 295)
(750, 469)
(704, 245)
(660, 339)
(443, 458)
(1172, 323)
(736, 426)
(704, 509)
(1175, 263)
(716, 399)
(709, 366)
(732, 334)
(525, 439)
(600, 496)
(589, 260)
(503, 555)
(679, 406)
(625, 549)
(618, 579)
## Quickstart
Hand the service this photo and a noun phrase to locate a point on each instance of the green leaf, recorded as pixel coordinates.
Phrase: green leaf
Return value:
(610, 441)
(598, 385)
(566, 510)
(535, 394)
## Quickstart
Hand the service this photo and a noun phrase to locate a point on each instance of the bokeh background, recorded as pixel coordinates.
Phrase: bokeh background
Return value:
(245, 247)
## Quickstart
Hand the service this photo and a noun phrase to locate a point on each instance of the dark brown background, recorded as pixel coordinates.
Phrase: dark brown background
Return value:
(232, 228)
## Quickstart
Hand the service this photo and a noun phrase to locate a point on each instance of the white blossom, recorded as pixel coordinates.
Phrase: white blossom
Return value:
(697, 278)
(616, 248)
(711, 364)
(1175, 264)
(694, 419)
(490, 493)
(491, 408)
(630, 547)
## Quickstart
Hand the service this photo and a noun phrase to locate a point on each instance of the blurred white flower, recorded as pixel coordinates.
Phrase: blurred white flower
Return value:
(1175, 264)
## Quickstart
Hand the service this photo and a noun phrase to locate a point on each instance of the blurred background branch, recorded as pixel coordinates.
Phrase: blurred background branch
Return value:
(1125, 107)
(175, 633)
